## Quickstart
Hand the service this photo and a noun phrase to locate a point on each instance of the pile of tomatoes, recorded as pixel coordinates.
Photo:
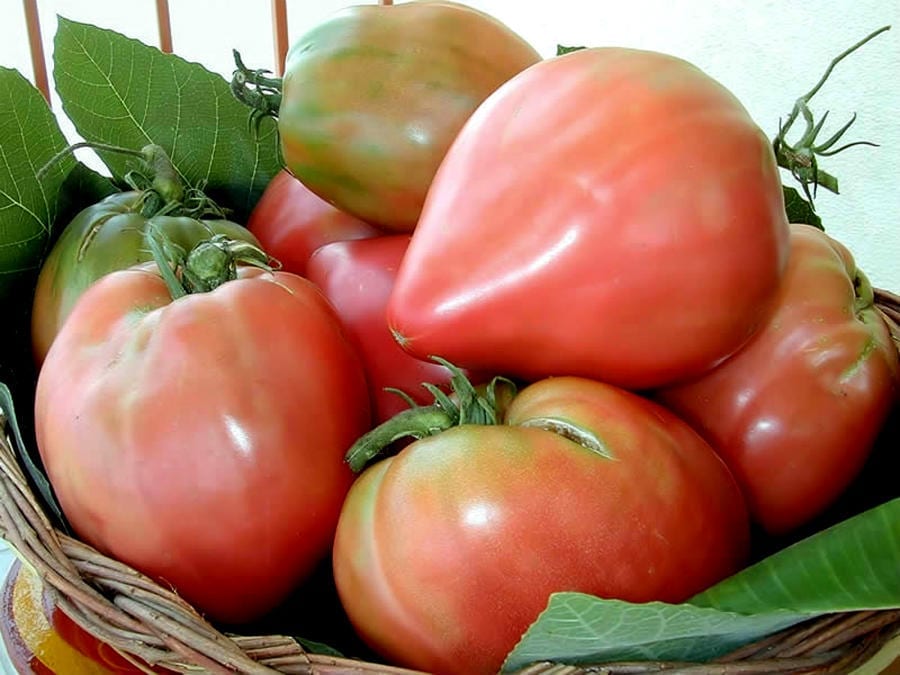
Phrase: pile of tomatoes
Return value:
(630, 359)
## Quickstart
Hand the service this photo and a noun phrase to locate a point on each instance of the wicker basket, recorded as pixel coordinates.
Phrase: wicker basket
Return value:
(148, 623)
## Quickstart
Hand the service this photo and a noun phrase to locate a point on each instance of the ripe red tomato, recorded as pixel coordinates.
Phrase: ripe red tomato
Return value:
(291, 222)
(447, 551)
(201, 440)
(357, 277)
(611, 213)
(796, 412)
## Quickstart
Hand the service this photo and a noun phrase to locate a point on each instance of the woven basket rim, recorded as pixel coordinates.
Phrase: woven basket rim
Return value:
(139, 618)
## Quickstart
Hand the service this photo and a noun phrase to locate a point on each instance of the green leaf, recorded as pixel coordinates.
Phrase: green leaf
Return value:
(798, 209)
(120, 91)
(29, 137)
(562, 49)
(848, 567)
(582, 629)
(32, 212)
(314, 647)
(81, 187)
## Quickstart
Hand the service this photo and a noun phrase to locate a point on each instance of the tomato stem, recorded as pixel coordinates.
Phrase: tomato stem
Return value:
(164, 176)
(208, 265)
(213, 262)
(168, 256)
(93, 145)
(800, 158)
(416, 423)
(464, 405)
(164, 191)
(257, 90)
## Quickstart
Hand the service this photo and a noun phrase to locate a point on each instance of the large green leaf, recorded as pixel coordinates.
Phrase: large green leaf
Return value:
(577, 628)
(851, 566)
(29, 137)
(32, 211)
(120, 91)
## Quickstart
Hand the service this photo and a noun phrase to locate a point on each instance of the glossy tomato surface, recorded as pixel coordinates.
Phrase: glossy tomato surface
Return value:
(201, 440)
(107, 236)
(374, 95)
(357, 277)
(610, 213)
(797, 411)
(447, 551)
(291, 222)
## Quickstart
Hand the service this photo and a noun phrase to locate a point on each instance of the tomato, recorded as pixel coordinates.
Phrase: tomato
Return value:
(797, 411)
(610, 213)
(201, 440)
(373, 97)
(291, 222)
(107, 236)
(357, 277)
(447, 551)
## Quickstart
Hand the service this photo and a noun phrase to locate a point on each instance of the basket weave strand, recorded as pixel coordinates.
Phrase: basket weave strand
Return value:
(143, 621)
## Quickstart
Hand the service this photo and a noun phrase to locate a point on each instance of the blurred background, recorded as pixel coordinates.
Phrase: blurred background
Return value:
(768, 52)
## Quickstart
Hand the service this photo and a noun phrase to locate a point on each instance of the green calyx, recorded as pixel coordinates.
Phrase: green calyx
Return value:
(801, 157)
(464, 405)
(208, 265)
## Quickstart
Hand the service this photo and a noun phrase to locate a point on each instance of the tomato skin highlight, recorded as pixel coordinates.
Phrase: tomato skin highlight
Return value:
(373, 97)
(632, 227)
(796, 412)
(447, 551)
(291, 222)
(201, 440)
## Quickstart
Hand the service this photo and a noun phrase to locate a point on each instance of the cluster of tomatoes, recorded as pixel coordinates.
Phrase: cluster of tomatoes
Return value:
(630, 355)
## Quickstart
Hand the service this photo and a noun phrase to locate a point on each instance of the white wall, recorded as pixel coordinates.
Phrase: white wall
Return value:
(767, 52)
